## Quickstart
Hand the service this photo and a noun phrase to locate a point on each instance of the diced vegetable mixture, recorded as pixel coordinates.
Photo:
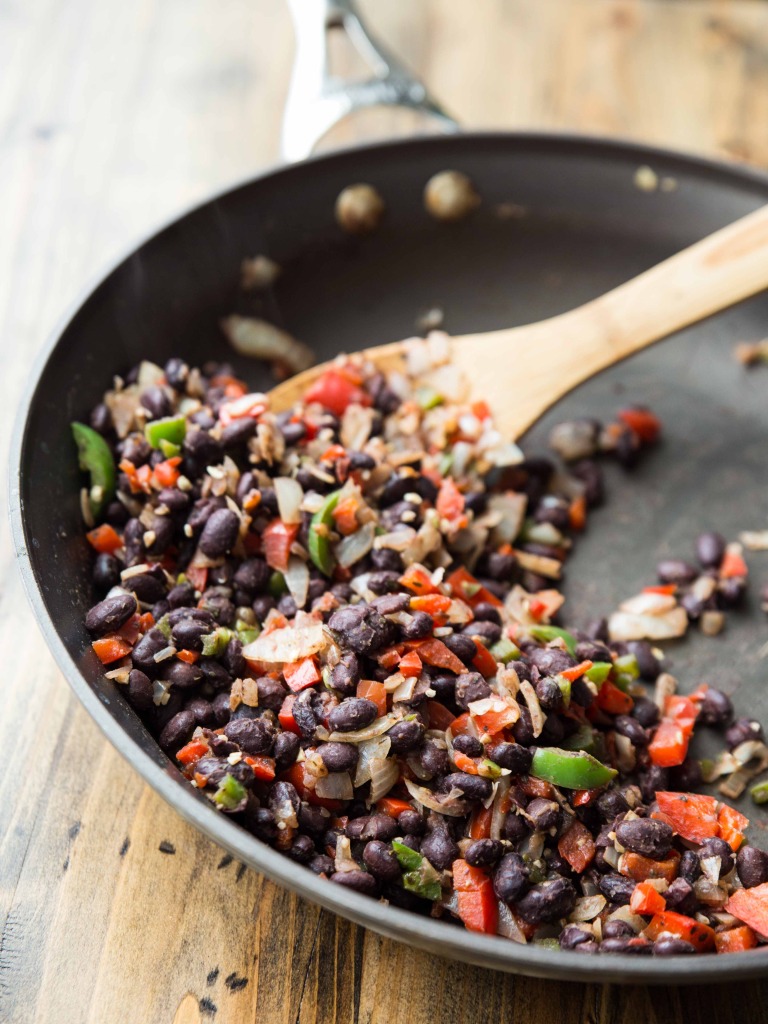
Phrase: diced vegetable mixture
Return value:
(343, 624)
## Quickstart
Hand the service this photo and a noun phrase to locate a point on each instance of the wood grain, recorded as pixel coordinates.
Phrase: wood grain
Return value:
(113, 116)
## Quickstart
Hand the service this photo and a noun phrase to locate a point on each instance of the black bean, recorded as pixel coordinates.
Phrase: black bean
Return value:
(304, 716)
(338, 757)
(286, 750)
(752, 866)
(360, 881)
(214, 674)
(647, 662)
(591, 475)
(512, 756)
(381, 861)
(352, 714)
(117, 514)
(597, 629)
(681, 898)
(543, 814)
(710, 548)
(110, 614)
(686, 776)
(221, 709)
(616, 888)
(177, 731)
(434, 759)
(468, 745)
(717, 848)
(321, 864)
(689, 868)
(354, 827)
(631, 728)
(106, 571)
(589, 650)
(219, 533)
(386, 558)
(500, 567)
(188, 634)
(510, 879)
(462, 646)
(180, 674)
(489, 632)
(136, 449)
(611, 804)
(522, 730)
(181, 596)
(675, 570)
(148, 586)
(547, 902)
(646, 712)
(550, 660)
(383, 581)
(139, 690)
(483, 852)
(632, 946)
(439, 849)
(156, 402)
(200, 450)
(716, 708)
(617, 929)
(473, 786)
(405, 736)
(672, 947)
(380, 826)
(646, 836)
(253, 736)
(730, 592)
(389, 604)
(271, 693)
(411, 822)
(144, 651)
(252, 575)
(419, 627)
(470, 686)
(549, 693)
(361, 629)
(515, 827)
(742, 730)
(574, 937)
(202, 710)
(652, 780)
(302, 849)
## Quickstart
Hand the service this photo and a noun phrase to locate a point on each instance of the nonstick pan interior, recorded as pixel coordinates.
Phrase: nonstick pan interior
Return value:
(562, 220)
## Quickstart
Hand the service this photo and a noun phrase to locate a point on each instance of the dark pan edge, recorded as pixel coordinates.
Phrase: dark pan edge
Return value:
(430, 935)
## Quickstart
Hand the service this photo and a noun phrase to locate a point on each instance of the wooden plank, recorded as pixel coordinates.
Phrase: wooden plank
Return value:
(113, 116)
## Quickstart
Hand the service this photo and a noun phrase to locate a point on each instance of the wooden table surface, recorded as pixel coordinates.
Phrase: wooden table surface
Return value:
(114, 116)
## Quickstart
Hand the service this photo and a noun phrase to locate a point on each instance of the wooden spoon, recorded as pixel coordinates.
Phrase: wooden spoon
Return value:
(552, 356)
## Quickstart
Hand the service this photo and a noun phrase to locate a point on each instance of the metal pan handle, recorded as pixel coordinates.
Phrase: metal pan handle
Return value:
(317, 100)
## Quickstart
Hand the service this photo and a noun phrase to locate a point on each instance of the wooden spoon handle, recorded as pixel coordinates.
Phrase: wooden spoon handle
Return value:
(548, 359)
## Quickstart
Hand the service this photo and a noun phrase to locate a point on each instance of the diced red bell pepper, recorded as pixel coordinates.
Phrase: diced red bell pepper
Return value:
(464, 763)
(480, 823)
(263, 767)
(481, 410)
(751, 907)
(683, 711)
(701, 936)
(669, 745)
(572, 674)
(418, 581)
(732, 825)
(130, 630)
(373, 690)
(301, 674)
(138, 479)
(483, 661)
(583, 797)
(646, 900)
(460, 724)
(410, 664)
(192, 752)
(733, 564)
(640, 868)
(643, 423)
(438, 715)
(390, 658)
(146, 621)
(577, 513)
(197, 575)
(335, 391)
(345, 516)
(105, 539)
(476, 900)
(450, 500)
(692, 815)
(465, 586)
(249, 406)
(111, 648)
(577, 846)
(296, 776)
(499, 716)
(285, 716)
(166, 474)
(536, 608)
(277, 539)
(434, 652)
(392, 806)
(233, 386)
(432, 604)
(536, 787)
(613, 700)
(190, 657)
(735, 940)
(662, 588)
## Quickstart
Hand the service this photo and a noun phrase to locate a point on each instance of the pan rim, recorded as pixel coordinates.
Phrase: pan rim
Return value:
(430, 935)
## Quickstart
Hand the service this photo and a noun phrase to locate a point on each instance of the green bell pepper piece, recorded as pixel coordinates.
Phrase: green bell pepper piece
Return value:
(428, 398)
(318, 545)
(277, 585)
(420, 877)
(230, 793)
(627, 665)
(759, 793)
(547, 633)
(582, 739)
(565, 689)
(569, 769)
(171, 429)
(504, 650)
(95, 457)
(247, 636)
(164, 626)
(408, 859)
(169, 450)
(599, 672)
(215, 643)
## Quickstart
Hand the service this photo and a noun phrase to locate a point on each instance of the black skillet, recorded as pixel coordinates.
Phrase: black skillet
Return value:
(581, 226)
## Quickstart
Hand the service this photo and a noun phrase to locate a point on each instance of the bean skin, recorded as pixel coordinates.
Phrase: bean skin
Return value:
(110, 614)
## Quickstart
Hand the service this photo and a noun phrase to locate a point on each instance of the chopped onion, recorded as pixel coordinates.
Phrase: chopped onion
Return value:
(259, 339)
(150, 375)
(356, 546)
(511, 510)
(542, 565)
(369, 749)
(507, 924)
(626, 756)
(649, 604)
(404, 691)
(377, 728)
(538, 718)
(335, 786)
(289, 644)
(736, 783)
(708, 891)
(666, 686)
(344, 860)
(587, 908)
(397, 540)
(384, 774)
(623, 626)
(290, 495)
(297, 580)
(635, 922)
(449, 803)
(123, 406)
(499, 815)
